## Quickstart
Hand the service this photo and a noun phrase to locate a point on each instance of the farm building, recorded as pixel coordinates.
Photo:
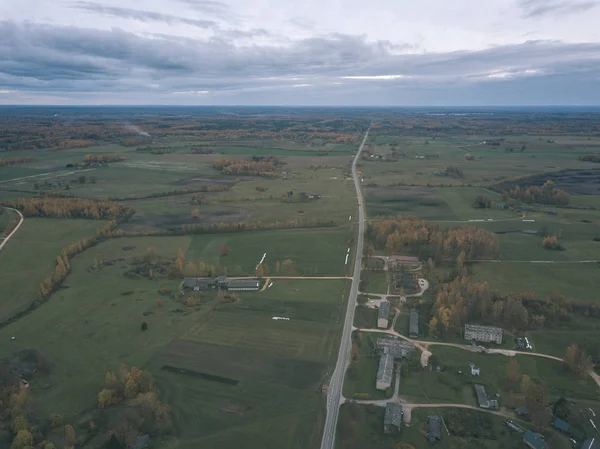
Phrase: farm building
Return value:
(392, 419)
(434, 432)
(413, 326)
(487, 334)
(385, 371)
(383, 315)
(221, 282)
(534, 440)
(483, 399)
(394, 346)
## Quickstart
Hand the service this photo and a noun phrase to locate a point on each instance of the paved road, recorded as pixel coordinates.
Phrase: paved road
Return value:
(15, 229)
(334, 393)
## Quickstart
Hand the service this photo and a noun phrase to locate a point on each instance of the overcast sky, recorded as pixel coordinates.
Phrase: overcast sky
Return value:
(306, 52)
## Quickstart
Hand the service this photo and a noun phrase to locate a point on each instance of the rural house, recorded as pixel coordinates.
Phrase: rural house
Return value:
(385, 371)
(434, 433)
(392, 420)
(383, 315)
(413, 326)
(486, 334)
(483, 399)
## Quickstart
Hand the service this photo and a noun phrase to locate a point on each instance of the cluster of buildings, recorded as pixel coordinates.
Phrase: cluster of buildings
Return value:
(485, 334)
(221, 282)
(389, 350)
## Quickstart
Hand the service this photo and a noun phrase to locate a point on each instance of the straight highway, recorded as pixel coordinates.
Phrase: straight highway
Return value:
(334, 392)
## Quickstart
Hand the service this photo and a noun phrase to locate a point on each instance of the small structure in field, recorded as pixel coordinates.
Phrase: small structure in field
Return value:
(383, 314)
(222, 282)
(392, 420)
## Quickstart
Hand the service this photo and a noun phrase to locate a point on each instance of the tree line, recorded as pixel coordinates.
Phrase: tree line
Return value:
(545, 194)
(429, 240)
(201, 189)
(68, 207)
(103, 158)
(590, 158)
(265, 168)
(16, 161)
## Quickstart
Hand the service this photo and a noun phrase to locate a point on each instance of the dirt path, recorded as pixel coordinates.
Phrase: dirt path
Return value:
(53, 173)
(16, 228)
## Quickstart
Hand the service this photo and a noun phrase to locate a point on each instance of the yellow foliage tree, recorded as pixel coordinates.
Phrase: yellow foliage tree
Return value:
(24, 439)
(105, 398)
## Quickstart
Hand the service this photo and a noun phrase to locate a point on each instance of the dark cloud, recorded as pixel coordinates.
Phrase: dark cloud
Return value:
(44, 58)
(141, 15)
(539, 8)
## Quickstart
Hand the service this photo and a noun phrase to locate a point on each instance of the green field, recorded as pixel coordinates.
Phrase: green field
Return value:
(30, 255)
(93, 323)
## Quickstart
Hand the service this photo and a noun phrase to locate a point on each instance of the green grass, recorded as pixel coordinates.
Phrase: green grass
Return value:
(556, 342)
(30, 255)
(316, 252)
(365, 317)
(451, 386)
(374, 282)
(576, 281)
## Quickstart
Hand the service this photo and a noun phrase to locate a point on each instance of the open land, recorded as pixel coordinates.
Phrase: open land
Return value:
(232, 375)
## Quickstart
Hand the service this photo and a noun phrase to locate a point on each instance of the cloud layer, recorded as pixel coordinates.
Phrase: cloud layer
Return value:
(209, 52)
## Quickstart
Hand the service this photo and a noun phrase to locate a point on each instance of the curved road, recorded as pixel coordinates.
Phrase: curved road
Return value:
(334, 393)
(15, 229)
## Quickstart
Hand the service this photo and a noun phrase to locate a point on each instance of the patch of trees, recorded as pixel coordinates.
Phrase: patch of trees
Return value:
(155, 150)
(262, 167)
(202, 150)
(470, 424)
(427, 240)
(590, 158)
(453, 172)
(545, 194)
(578, 361)
(103, 158)
(469, 157)
(552, 242)
(58, 207)
(16, 161)
(482, 202)
(462, 301)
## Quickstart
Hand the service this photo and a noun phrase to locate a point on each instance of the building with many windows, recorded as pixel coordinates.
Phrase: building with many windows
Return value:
(486, 334)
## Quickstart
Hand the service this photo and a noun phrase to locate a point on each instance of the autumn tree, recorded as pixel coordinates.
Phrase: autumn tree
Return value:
(551, 242)
(196, 213)
(23, 440)
(512, 371)
(578, 361)
(261, 270)
(70, 436)
(224, 250)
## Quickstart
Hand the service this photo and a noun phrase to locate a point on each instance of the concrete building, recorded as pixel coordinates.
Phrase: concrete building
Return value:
(385, 371)
(392, 420)
(383, 315)
(413, 326)
(434, 432)
(398, 348)
(486, 334)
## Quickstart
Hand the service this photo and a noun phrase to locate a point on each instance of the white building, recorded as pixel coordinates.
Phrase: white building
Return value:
(487, 334)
